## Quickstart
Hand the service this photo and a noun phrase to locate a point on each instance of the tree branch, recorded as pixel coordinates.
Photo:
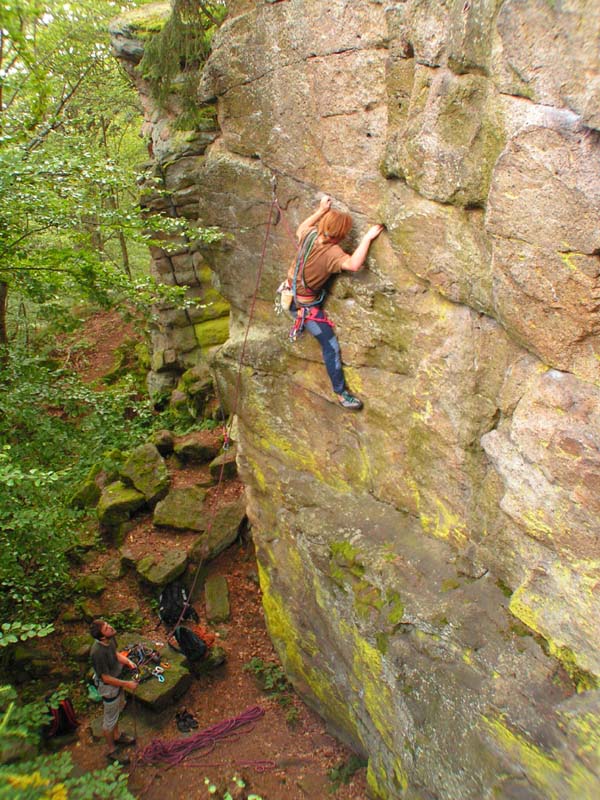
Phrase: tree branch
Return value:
(34, 269)
(37, 140)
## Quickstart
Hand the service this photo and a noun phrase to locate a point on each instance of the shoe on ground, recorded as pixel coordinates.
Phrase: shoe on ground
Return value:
(347, 400)
(125, 740)
(182, 722)
(191, 720)
(115, 757)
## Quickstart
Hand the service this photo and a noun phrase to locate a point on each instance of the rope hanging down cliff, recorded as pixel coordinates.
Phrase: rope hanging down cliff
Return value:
(274, 214)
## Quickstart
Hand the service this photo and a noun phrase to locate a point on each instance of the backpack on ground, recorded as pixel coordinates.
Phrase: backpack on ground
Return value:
(63, 719)
(191, 645)
(173, 605)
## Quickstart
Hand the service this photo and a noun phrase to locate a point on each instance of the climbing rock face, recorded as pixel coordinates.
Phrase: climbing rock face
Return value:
(430, 566)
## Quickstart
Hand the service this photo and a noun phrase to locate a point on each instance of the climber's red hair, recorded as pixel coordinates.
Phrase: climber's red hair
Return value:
(334, 225)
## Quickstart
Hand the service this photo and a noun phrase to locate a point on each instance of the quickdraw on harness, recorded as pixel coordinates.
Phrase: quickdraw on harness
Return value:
(311, 311)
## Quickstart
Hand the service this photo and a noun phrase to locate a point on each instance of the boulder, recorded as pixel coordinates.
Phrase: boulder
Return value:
(212, 332)
(80, 551)
(199, 447)
(158, 696)
(223, 532)
(395, 535)
(160, 569)
(117, 502)
(164, 441)
(77, 647)
(152, 695)
(197, 387)
(91, 585)
(224, 465)
(119, 533)
(72, 614)
(113, 569)
(91, 609)
(86, 495)
(182, 509)
(146, 470)
(216, 593)
(214, 657)
(29, 661)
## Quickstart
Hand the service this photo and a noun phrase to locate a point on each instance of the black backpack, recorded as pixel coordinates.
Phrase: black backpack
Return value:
(62, 721)
(172, 602)
(191, 645)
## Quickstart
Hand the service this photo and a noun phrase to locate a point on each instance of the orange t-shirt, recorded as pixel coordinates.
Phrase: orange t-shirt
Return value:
(325, 260)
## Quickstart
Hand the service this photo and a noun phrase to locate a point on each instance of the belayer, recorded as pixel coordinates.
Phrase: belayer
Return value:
(108, 664)
(319, 257)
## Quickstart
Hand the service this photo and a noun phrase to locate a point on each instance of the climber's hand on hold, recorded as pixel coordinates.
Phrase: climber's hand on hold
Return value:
(373, 232)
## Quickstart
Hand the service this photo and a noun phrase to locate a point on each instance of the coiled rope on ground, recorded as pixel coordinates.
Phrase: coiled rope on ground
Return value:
(173, 751)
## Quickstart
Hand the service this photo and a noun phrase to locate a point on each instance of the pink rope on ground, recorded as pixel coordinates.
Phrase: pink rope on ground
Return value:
(173, 751)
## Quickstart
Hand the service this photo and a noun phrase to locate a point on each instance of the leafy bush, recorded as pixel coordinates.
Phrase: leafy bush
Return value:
(273, 682)
(49, 776)
(53, 428)
(345, 771)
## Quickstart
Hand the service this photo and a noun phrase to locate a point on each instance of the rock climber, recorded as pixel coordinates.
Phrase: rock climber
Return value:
(319, 257)
(108, 664)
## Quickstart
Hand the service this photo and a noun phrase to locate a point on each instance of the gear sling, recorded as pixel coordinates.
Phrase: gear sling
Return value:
(306, 312)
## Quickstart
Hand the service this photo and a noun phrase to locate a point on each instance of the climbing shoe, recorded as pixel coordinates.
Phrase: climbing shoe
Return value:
(125, 740)
(348, 400)
(191, 720)
(185, 721)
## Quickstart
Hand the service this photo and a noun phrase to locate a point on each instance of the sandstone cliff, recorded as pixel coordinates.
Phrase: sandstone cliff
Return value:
(430, 566)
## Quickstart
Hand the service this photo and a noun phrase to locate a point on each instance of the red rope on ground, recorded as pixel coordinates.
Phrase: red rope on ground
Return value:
(173, 752)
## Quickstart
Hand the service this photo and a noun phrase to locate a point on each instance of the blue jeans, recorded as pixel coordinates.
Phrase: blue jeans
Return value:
(330, 348)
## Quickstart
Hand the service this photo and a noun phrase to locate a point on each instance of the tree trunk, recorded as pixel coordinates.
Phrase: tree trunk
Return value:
(113, 203)
(3, 303)
(124, 254)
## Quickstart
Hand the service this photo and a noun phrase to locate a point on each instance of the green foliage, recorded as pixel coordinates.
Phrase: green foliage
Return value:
(174, 55)
(12, 632)
(126, 621)
(48, 776)
(52, 778)
(223, 793)
(343, 773)
(70, 156)
(273, 682)
(53, 429)
(270, 675)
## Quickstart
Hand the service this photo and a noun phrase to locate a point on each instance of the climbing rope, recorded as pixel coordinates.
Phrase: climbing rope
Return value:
(274, 210)
(174, 751)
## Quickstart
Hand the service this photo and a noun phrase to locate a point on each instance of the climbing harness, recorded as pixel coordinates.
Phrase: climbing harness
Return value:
(312, 313)
(288, 295)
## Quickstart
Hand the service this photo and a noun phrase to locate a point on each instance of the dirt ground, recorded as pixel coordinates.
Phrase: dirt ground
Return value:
(278, 761)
